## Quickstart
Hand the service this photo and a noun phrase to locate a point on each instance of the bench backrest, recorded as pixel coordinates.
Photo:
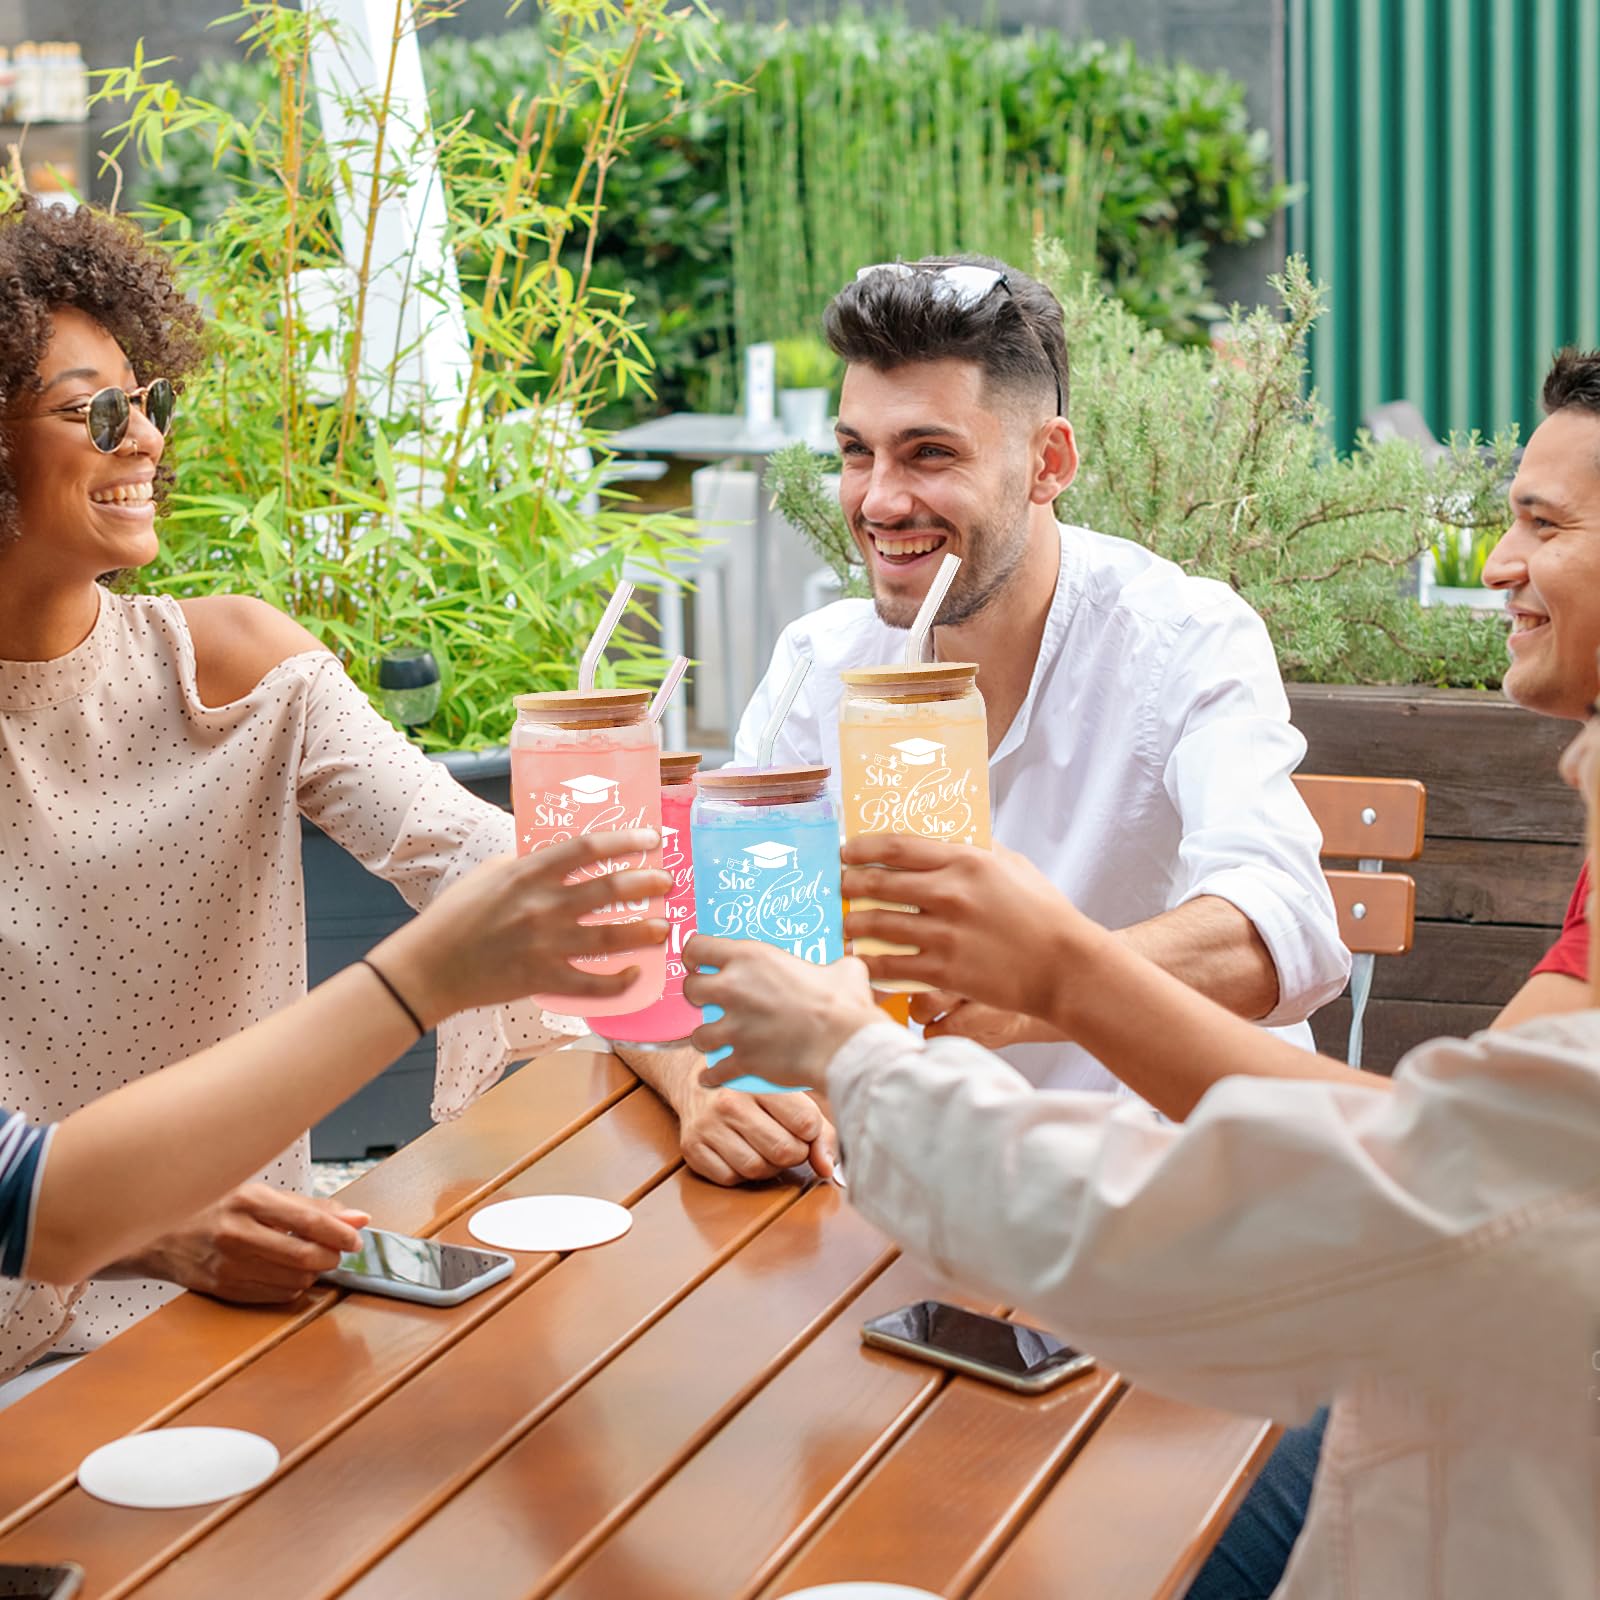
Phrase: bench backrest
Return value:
(1369, 820)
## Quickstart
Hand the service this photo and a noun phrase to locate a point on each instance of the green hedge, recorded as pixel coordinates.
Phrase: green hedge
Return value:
(1178, 166)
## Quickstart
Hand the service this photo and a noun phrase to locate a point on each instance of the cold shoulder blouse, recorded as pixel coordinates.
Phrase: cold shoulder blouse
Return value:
(151, 901)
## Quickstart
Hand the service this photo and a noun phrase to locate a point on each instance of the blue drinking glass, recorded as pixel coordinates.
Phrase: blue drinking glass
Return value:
(766, 854)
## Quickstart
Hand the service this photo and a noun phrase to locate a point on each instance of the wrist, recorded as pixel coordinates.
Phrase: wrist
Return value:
(150, 1262)
(1080, 960)
(840, 1026)
(403, 959)
(674, 1075)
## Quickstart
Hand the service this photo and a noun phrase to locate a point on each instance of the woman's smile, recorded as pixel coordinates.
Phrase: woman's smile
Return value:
(129, 497)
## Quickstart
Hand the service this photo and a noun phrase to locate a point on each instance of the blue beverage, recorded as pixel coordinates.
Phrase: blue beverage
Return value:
(766, 853)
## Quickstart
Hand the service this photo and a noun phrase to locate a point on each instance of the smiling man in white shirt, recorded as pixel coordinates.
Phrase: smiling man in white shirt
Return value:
(1139, 736)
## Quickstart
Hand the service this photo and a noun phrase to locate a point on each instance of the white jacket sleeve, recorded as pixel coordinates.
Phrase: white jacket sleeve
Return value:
(404, 818)
(1287, 1240)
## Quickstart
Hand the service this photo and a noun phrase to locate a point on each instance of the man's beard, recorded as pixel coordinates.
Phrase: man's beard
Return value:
(991, 561)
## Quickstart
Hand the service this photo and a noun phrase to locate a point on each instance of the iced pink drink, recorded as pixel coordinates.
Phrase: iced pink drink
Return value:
(671, 1018)
(570, 781)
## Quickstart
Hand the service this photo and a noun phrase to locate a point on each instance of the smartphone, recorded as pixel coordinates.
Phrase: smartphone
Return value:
(1008, 1353)
(31, 1582)
(418, 1269)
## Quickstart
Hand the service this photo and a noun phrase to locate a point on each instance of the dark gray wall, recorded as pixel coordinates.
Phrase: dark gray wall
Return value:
(1245, 37)
(1242, 37)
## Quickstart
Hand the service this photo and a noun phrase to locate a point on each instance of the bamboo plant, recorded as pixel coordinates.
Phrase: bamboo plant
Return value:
(475, 528)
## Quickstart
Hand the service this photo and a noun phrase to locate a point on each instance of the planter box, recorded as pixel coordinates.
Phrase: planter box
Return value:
(348, 910)
(1503, 845)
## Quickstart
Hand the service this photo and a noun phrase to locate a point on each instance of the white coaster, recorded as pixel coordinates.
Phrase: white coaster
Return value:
(861, 1591)
(170, 1467)
(541, 1222)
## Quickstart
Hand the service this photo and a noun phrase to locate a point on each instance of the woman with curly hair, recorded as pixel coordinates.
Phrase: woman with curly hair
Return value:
(156, 757)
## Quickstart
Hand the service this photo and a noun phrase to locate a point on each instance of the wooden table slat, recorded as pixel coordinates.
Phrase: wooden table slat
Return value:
(777, 1468)
(164, 1362)
(1183, 1469)
(997, 1452)
(433, 1180)
(459, 1415)
(546, 1504)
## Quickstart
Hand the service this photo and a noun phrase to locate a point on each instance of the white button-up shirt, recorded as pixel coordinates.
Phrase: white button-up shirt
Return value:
(1149, 764)
(1428, 1260)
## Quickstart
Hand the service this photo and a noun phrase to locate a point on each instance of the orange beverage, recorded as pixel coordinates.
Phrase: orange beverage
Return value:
(913, 759)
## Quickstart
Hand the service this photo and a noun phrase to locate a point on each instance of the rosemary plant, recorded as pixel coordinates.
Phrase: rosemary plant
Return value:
(1221, 462)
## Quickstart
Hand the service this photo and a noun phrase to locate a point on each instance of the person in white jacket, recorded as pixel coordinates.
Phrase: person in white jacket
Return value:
(1423, 1253)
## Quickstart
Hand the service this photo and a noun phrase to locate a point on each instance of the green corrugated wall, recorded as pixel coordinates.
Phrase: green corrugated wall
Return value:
(1450, 155)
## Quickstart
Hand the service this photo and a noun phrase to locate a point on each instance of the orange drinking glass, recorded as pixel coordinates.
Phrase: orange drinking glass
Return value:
(913, 759)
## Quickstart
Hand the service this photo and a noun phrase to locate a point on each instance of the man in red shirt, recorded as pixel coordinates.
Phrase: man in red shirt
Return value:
(1549, 562)
(1567, 958)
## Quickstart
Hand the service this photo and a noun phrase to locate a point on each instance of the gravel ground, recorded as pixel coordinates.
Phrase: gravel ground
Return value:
(328, 1177)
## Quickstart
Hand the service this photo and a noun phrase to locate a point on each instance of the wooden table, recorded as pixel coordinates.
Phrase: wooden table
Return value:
(685, 1414)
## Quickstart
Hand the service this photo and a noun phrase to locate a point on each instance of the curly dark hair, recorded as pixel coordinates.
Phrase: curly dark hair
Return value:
(104, 266)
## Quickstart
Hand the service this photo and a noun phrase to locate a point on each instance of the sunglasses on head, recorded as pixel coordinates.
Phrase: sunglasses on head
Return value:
(107, 412)
(967, 286)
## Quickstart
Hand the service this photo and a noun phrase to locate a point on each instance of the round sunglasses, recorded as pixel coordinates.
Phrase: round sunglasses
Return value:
(107, 412)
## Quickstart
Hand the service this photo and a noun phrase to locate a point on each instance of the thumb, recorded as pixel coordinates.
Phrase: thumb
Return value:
(823, 1157)
(334, 1227)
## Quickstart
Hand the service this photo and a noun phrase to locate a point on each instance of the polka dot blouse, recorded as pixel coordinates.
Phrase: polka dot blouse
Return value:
(151, 901)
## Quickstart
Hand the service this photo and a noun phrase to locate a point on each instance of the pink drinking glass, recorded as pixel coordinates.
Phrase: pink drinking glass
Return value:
(671, 1019)
(590, 762)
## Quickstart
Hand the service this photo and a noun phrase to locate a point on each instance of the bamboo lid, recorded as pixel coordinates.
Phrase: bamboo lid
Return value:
(762, 785)
(679, 766)
(928, 680)
(585, 708)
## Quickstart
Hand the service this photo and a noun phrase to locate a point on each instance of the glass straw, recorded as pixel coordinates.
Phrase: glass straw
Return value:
(780, 711)
(680, 665)
(931, 602)
(602, 635)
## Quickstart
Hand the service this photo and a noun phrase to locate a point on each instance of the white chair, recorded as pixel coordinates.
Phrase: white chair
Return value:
(669, 582)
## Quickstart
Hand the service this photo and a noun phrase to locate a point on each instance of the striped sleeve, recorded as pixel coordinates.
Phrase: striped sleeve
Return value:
(22, 1151)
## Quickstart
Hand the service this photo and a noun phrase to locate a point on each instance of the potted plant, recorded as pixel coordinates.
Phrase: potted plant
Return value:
(1450, 572)
(807, 371)
(395, 524)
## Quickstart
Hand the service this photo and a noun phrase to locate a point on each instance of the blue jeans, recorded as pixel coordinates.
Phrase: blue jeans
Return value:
(1249, 1560)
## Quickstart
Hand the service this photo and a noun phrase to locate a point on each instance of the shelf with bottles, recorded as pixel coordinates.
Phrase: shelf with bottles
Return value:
(53, 157)
(43, 84)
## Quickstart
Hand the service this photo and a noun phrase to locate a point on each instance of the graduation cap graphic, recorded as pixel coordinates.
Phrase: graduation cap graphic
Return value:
(769, 856)
(919, 752)
(590, 790)
(668, 834)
